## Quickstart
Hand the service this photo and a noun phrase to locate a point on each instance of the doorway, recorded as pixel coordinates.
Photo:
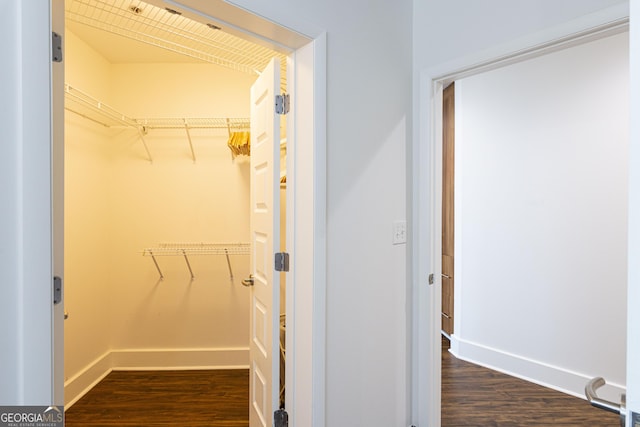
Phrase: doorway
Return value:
(448, 207)
(170, 175)
(307, 110)
(497, 161)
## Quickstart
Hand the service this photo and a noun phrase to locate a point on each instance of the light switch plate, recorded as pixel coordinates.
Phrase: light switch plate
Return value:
(399, 232)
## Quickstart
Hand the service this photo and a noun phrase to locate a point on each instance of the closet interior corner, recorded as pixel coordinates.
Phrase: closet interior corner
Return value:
(157, 189)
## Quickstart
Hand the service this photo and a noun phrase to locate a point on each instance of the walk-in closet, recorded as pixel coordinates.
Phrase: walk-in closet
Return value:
(157, 185)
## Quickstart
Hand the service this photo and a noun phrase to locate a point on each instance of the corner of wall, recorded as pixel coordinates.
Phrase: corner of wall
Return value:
(86, 379)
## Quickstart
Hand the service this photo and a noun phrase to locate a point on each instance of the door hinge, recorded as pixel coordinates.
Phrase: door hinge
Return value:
(56, 47)
(431, 279)
(57, 289)
(282, 103)
(280, 418)
(282, 261)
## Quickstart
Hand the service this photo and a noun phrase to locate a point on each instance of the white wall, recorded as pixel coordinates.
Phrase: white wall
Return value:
(118, 203)
(368, 115)
(633, 296)
(448, 30)
(87, 220)
(176, 200)
(368, 129)
(541, 216)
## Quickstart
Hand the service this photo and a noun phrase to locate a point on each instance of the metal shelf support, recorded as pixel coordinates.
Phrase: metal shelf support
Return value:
(192, 249)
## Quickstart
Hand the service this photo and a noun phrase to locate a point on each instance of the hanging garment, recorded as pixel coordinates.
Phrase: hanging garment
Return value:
(239, 143)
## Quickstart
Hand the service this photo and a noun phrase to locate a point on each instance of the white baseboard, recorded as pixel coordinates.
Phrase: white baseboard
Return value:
(78, 385)
(180, 359)
(152, 360)
(534, 371)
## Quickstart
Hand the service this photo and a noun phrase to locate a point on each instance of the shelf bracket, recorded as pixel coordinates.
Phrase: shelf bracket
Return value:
(144, 142)
(153, 257)
(226, 252)
(186, 128)
(186, 258)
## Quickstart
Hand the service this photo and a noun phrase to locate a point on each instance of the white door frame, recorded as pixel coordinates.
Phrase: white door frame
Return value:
(26, 214)
(306, 194)
(26, 265)
(633, 293)
(427, 185)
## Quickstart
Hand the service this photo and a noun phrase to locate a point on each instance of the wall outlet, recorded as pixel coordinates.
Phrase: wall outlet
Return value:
(399, 232)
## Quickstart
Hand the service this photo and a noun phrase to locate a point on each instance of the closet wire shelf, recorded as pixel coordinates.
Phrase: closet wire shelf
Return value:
(159, 27)
(97, 111)
(190, 249)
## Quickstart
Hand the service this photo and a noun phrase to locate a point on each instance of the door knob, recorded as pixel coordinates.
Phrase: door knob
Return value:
(248, 282)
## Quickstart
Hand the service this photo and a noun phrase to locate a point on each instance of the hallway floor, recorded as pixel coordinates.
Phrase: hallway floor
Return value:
(471, 396)
(476, 396)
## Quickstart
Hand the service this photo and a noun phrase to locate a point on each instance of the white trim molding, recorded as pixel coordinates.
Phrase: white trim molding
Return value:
(80, 384)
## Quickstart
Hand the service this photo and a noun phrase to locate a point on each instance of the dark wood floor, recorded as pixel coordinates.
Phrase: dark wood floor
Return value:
(471, 396)
(475, 396)
(212, 398)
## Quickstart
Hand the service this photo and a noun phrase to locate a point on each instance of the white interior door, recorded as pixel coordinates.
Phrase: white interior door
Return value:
(265, 239)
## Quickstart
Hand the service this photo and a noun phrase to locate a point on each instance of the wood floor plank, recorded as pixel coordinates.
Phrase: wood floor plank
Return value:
(471, 396)
(476, 396)
(165, 398)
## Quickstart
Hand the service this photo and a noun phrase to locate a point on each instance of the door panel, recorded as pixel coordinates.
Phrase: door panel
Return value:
(448, 161)
(265, 239)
